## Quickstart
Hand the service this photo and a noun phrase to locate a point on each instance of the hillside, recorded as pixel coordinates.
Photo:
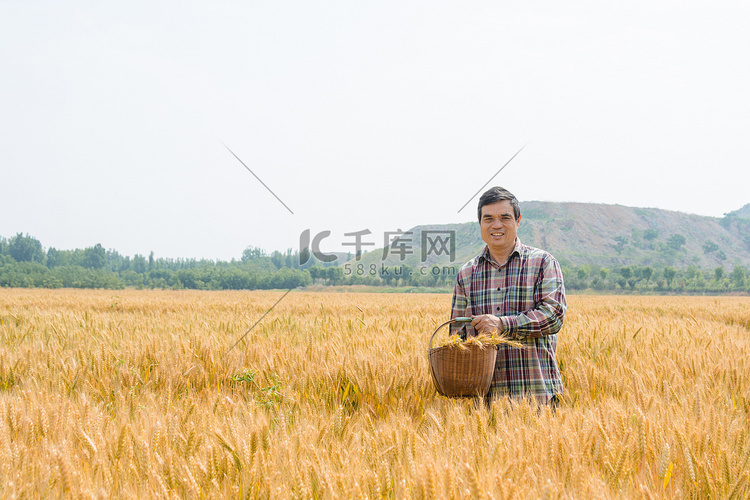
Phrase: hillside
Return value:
(600, 234)
(742, 213)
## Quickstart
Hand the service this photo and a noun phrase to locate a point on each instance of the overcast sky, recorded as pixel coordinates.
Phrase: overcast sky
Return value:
(358, 115)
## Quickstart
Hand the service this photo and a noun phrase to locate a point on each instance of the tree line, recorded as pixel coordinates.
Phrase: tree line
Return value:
(648, 279)
(25, 263)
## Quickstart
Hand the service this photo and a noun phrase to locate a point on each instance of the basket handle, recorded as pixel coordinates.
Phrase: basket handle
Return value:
(454, 320)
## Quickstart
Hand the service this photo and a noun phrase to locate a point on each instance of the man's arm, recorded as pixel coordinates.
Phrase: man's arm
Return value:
(458, 306)
(548, 314)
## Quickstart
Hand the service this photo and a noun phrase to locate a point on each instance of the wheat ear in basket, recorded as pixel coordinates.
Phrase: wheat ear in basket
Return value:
(462, 370)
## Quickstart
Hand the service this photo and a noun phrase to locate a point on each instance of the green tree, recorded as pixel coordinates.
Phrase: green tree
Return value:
(435, 275)
(94, 257)
(669, 274)
(57, 257)
(25, 249)
(278, 259)
(719, 273)
(598, 283)
(626, 272)
(314, 272)
(650, 234)
(691, 272)
(335, 275)
(139, 264)
(252, 253)
(647, 272)
(709, 247)
(386, 274)
(676, 241)
(123, 263)
(288, 261)
(738, 276)
(406, 275)
(303, 259)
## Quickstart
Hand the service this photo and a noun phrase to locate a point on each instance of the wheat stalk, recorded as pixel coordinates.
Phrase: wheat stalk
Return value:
(127, 400)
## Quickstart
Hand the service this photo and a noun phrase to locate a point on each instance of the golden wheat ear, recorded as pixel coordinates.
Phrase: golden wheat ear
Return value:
(138, 400)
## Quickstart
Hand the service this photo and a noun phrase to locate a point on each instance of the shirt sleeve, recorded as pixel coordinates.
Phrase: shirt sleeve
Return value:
(458, 306)
(548, 314)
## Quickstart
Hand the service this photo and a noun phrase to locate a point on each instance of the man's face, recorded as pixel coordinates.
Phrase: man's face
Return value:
(499, 227)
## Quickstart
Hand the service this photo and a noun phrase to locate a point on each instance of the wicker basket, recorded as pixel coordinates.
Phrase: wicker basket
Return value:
(461, 372)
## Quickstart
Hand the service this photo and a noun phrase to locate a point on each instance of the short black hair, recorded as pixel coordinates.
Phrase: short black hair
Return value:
(495, 194)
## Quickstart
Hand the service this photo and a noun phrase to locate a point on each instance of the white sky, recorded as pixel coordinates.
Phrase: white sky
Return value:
(358, 115)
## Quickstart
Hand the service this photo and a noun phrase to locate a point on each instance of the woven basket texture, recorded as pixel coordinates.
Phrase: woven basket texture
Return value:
(460, 372)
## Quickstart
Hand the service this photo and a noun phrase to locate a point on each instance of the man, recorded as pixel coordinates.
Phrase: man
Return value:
(516, 291)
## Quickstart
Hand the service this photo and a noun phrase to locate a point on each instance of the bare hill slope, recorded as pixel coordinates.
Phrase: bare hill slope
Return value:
(596, 234)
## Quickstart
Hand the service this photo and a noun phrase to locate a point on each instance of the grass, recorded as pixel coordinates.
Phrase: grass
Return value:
(130, 394)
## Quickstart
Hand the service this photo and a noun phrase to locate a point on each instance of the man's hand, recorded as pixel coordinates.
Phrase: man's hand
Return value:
(487, 324)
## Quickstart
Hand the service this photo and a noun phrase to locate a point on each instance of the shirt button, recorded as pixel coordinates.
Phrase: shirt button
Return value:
(498, 289)
(498, 308)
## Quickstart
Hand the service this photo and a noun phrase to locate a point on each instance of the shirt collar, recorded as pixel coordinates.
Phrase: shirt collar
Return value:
(517, 248)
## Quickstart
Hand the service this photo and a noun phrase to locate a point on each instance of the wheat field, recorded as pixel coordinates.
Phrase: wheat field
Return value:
(131, 394)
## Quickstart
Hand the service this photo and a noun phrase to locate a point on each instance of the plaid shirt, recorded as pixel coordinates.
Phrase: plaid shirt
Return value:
(528, 295)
